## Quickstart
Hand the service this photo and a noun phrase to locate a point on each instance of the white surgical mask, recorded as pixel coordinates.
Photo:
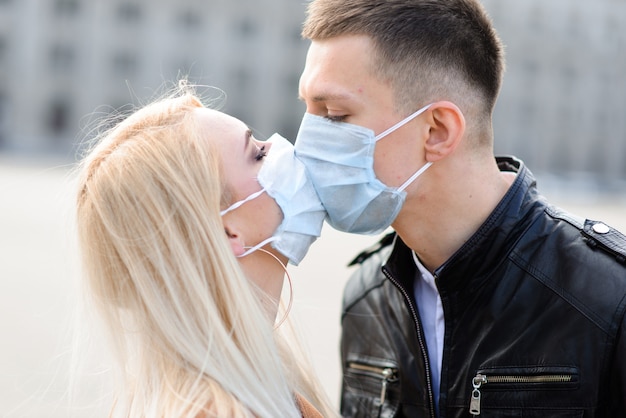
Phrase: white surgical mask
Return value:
(284, 179)
(339, 158)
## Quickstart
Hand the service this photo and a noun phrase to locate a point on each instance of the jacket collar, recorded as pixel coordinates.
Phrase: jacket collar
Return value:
(489, 244)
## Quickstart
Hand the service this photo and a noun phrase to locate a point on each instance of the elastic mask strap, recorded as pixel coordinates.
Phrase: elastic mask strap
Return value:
(414, 176)
(402, 122)
(250, 250)
(241, 202)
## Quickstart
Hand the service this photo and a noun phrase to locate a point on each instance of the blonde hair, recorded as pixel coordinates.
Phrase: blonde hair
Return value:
(188, 330)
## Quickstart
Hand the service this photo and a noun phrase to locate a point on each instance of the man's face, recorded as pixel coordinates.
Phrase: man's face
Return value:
(338, 83)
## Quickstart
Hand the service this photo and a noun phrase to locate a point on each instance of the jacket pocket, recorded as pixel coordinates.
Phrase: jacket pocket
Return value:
(370, 388)
(525, 392)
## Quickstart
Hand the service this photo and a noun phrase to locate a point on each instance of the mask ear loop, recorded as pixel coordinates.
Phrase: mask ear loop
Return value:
(288, 309)
(402, 122)
(241, 202)
(414, 176)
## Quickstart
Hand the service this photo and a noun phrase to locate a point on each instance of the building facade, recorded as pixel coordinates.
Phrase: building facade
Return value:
(563, 103)
(65, 63)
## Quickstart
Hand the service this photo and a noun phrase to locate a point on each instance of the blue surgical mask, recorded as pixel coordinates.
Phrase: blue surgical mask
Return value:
(284, 179)
(339, 158)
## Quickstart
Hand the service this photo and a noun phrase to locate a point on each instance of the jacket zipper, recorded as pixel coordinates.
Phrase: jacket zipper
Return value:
(420, 340)
(481, 379)
(387, 374)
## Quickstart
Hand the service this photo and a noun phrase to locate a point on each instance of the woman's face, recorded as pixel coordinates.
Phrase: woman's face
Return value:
(242, 157)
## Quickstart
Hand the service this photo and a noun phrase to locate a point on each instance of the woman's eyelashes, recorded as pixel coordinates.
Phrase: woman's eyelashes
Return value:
(260, 153)
(336, 118)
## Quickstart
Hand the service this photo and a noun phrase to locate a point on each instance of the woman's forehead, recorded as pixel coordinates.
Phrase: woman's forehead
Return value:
(216, 120)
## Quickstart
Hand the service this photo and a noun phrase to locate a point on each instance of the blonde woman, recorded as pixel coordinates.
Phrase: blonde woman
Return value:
(170, 211)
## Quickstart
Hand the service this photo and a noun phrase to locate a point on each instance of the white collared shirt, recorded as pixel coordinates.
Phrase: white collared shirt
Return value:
(430, 310)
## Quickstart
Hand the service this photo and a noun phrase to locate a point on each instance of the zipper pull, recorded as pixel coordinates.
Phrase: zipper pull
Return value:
(387, 374)
(477, 382)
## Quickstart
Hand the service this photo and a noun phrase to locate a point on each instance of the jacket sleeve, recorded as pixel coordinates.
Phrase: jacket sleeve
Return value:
(617, 382)
(368, 365)
(357, 326)
(613, 243)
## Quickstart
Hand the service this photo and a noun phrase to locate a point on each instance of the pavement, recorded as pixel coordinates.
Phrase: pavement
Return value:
(38, 297)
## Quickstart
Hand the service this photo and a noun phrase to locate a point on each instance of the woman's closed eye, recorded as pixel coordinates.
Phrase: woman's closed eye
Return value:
(336, 118)
(260, 153)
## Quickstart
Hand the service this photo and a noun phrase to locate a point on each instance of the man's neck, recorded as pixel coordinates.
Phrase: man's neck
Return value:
(436, 226)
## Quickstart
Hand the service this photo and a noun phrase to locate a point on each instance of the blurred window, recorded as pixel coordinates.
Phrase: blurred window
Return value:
(537, 18)
(3, 109)
(125, 63)
(568, 77)
(3, 116)
(246, 28)
(295, 33)
(66, 7)
(242, 79)
(3, 48)
(190, 19)
(129, 12)
(58, 117)
(62, 58)
(575, 24)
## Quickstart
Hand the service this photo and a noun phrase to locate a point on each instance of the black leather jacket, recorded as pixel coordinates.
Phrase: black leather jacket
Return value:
(534, 307)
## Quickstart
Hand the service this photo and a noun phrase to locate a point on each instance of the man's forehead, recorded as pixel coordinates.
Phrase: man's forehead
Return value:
(334, 66)
(328, 85)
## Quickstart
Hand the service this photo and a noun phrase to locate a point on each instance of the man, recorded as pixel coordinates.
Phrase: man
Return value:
(490, 301)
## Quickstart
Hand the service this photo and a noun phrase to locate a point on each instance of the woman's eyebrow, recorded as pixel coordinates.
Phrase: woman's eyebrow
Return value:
(246, 140)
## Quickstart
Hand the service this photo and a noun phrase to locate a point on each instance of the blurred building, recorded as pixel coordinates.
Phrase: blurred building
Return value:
(64, 63)
(563, 103)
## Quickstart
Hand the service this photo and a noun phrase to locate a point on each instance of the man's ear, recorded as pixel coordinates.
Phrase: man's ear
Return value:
(447, 127)
(235, 239)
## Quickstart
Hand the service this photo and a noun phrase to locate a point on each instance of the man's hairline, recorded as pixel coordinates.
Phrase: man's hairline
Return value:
(376, 68)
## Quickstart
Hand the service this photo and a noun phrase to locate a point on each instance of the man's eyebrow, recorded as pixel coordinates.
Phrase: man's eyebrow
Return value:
(324, 97)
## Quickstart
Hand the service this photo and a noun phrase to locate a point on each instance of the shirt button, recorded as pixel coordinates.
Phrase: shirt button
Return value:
(601, 228)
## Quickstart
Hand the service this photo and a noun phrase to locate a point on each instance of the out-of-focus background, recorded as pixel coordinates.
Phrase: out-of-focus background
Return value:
(66, 63)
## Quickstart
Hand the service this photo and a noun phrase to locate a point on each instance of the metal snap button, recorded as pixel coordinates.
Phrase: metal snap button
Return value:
(601, 228)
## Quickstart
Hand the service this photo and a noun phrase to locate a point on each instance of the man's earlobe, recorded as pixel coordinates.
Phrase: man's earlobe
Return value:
(446, 132)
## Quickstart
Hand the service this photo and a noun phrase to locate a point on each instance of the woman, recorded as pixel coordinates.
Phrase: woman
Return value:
(170, 212)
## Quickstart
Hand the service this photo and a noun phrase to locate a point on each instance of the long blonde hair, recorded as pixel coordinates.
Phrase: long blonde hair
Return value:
(187, 328)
